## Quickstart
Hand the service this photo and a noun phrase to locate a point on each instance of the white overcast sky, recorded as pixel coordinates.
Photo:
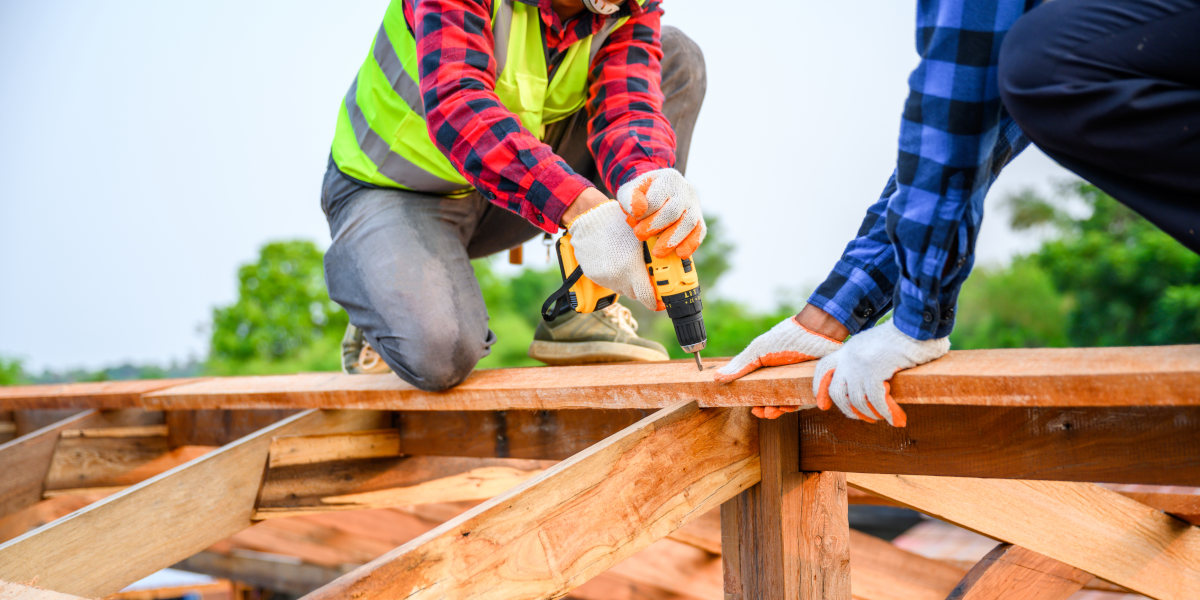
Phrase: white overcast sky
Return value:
(148, 148)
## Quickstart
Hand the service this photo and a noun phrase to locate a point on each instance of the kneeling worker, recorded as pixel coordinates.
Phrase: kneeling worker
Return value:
(474, 125)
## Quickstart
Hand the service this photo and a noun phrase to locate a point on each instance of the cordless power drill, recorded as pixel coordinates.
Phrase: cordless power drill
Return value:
(676, 287)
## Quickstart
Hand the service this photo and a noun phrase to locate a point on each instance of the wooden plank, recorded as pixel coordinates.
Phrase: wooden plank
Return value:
(1159, 445)
(25, 461)
(102, 548)
(1014, 573)
(762, 554)
(310, 449)
(379, 483)
(1083, 525)
(789, 535)
(100, 394)
(535, 434)
(578, 518)
(1178, 501)
(273, 572)
(81, 462)
(1158, 376)
(15, 591)
(703, 532)
(218, 427)
(881, 571)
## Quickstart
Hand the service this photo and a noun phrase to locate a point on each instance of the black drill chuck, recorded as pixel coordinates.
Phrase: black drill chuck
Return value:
(685, 310)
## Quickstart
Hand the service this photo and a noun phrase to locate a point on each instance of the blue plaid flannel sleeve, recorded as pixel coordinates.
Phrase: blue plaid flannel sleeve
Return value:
(915, 247)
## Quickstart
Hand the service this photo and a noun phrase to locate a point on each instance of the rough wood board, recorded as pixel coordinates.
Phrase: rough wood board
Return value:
(578, 518)
(763, 553)
(1081, 524)
(1157, 375)
(378, 483)
(536, 434)
(1111, 444)
(310, 449)
(881, 571)
(101, 548)
(25, 461)
(103, 394)
(81, 462)
(218, 427)
(14, 591)
(1014, 573)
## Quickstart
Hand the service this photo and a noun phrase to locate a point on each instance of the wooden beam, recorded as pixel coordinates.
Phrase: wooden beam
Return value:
(1083, 525)
(101, 548)
(15, 591)
(218, 427)
(379, 483)
(26, 460)
(881, 571)
(578, 518)
(101, 394)
(536, 434)
(273, 572)
(1149, 444)
(1158, 376)
(787, 537)
(327, 447)
(1177, 501)
(81, 462)
(1014, 573)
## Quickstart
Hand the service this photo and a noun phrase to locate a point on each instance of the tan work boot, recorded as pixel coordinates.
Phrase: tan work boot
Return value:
(608, 335)
(358, 357)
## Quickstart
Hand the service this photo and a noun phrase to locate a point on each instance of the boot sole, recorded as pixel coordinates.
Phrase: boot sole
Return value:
(578, 353)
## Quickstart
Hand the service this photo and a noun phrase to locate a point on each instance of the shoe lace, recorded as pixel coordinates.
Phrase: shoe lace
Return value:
(622, 317)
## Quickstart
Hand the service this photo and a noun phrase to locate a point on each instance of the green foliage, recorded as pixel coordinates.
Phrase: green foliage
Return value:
(1130, 283)
(1016, 307)
(283, 320)
(12, 371)
(1108, 279)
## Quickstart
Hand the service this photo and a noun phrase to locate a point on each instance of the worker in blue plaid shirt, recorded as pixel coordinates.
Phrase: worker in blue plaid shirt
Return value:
(915, 247)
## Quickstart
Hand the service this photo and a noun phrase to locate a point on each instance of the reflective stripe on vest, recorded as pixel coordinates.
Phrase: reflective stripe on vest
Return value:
(381, 135)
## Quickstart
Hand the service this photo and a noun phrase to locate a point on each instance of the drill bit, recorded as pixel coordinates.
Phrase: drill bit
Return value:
(696, 355)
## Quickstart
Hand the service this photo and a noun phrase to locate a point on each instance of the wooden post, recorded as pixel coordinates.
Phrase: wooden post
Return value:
(787, 538)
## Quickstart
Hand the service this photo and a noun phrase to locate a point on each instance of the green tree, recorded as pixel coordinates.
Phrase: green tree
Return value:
(12, 371)
(283, 320)
(1013, 307)
(1128, 282)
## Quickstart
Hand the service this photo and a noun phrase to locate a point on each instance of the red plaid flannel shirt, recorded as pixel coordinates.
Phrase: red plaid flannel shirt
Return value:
(627, 132)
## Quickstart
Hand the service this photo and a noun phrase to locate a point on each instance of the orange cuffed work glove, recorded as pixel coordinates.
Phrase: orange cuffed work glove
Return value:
(786, 343)
(857, 377)
(663, 203)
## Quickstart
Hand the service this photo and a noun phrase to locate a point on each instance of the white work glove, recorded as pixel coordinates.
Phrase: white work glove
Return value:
(663, 203)
(610, 254)
(786, 343)
(856, 377)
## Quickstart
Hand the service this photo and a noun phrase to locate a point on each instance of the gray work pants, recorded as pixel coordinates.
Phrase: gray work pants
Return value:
(400, 261)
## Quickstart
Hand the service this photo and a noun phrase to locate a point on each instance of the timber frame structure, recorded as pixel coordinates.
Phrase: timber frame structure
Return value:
(567, 471)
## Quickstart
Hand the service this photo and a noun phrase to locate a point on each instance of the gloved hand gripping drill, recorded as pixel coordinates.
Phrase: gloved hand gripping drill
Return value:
(657, 271)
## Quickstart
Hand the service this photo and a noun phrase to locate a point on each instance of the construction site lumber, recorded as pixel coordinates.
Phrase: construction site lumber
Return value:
(26, 461)
(787, 538)
(1044, 377)
(1011, 572)
(1083, 525)
(577, 519)
(1133, 444)
(149, 526)
(15, 591)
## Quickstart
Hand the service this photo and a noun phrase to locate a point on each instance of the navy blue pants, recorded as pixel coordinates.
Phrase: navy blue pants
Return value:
(1111, 90)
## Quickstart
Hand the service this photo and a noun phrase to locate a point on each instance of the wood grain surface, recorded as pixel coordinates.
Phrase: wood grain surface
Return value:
(578, 518)
(1144, 376)
(1081, 524)
(1150, 445)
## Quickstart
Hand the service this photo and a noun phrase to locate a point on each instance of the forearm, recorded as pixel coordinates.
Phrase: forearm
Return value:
(482, 139)
(628, 134)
